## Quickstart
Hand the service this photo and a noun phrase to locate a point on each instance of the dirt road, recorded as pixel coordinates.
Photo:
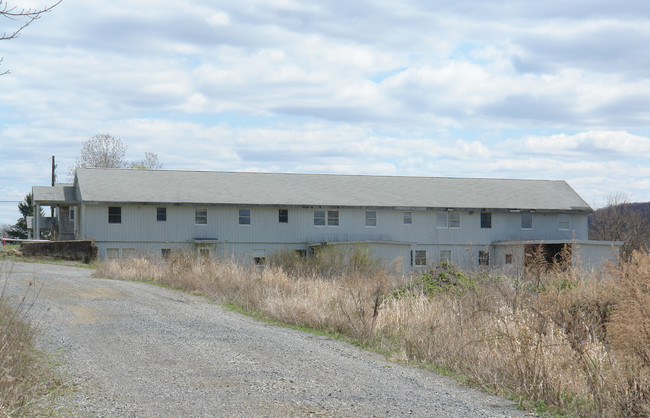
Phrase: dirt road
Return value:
(133, 349)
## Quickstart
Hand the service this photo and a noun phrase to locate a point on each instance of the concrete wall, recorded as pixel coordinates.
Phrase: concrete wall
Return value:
(65, 250)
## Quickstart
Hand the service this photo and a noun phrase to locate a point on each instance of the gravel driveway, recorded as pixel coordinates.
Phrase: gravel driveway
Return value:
(133, 349)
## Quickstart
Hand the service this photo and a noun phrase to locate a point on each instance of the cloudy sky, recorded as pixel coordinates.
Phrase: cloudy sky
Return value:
(512, 89)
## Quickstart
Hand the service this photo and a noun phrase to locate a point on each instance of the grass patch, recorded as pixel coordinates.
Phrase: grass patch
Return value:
(551, 338)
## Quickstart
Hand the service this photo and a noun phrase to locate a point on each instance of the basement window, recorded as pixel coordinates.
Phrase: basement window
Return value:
(112, 253)
(483, 258)
(165, 252)
(508, 258)
(420, 257)
(114, 215)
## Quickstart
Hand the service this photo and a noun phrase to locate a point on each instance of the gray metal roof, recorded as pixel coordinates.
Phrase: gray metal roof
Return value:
(129, 186)
(60, 193)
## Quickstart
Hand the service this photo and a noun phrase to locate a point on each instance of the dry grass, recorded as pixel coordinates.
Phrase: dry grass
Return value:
(26, 380)
(550, 338)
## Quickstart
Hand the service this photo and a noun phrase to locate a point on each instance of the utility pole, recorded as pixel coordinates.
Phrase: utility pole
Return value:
(53, 181)
(53, 171)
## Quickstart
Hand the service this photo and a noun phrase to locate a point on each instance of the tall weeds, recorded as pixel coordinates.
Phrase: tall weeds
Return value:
(550, 337)
(25, 379)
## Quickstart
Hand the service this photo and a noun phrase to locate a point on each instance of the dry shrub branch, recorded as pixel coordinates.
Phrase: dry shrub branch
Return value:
(26, 382)
(551, 337)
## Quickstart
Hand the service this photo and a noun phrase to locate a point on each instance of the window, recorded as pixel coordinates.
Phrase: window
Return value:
(508, 258)
(114, 215)
(161, 214)
(329, 218)
(201, 216)
(165, 252)
(408, 218)
(332, 218)
(454, 220)
(526, 221)
(486, 220)
(259, 261)
(244, 216)
(283, 216)
(563, 221)
(483, 258)
(441, 220)
(319, 218)
(128, 253)
(204, 252)
(420, 257)
(445, 256)
(112, 253)
(72, 208)
(371, 218)
(448, 220)
(301, 253)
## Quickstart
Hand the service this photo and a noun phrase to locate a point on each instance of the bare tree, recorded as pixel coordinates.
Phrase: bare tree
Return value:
(150, 161)
(24, 16)
(623, 221)
(104, 150)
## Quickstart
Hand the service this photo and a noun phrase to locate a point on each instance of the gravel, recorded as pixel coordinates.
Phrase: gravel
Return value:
(133, 349)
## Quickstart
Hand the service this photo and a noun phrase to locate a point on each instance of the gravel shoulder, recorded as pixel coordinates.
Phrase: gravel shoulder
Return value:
(133, 349)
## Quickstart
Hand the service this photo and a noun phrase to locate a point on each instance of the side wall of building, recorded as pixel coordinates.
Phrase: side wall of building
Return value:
(258, 231)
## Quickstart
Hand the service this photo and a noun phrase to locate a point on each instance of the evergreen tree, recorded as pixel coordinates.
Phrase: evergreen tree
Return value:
(26, 208)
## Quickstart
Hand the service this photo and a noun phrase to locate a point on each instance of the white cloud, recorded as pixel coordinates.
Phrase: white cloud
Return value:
(467, 88)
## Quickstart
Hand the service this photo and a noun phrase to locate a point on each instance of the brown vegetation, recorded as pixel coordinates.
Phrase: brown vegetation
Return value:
(25, 381)
(551, 338)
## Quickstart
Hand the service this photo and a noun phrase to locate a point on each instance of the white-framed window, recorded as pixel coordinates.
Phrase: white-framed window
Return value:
(326, 217)
(244, 216)
(200, 216)
(441, 220)
(483, 258)
(71, 213)
(486, 220)
(420, 257)
(114, 215)
(128, 253)
(112, 253)
(449, 220)
(563, 222)
(445, 256)
(454, 220)
(527, 220)
(371, 218)
(408, 218)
